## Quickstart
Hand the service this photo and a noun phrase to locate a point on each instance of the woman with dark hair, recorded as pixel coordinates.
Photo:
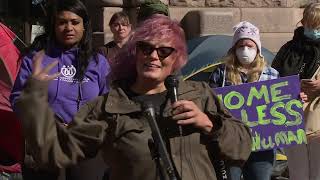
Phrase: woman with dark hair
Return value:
(82, 76)
(120, 27)
(116, 123)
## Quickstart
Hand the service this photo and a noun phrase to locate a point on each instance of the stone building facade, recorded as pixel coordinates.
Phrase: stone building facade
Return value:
(276, 19)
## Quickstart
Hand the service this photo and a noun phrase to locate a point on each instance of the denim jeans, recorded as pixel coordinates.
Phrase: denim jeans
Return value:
(258, 167)
(10, 176)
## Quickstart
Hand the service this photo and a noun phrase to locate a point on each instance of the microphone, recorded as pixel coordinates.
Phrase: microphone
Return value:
(149, 111)
(172, 84)
(159, 145)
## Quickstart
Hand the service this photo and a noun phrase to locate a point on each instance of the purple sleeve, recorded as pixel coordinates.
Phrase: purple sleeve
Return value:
(105, 70)
(24, 73)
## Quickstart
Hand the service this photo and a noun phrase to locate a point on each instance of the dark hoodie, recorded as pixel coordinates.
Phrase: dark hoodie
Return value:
(300, 56)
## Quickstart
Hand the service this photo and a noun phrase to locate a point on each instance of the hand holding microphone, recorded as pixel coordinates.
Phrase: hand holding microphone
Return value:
(186, 112)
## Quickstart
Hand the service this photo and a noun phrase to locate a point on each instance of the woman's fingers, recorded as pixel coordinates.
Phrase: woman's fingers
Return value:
(37, 61)
(184, 110)
(186, 121)
(53, 76)
(47, 69)
(183, 106)
(303, 97)
(185, 115)
(43, 74)
(40, 73)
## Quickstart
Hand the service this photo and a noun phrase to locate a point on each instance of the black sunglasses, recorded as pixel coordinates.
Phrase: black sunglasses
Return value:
(147, 49)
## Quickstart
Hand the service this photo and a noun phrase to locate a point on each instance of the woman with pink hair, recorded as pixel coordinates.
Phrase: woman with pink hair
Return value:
(117, 124)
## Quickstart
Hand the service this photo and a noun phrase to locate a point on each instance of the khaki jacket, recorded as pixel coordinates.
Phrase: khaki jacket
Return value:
(114, 124)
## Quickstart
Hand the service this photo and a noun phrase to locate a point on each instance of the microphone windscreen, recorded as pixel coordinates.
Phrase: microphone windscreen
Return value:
(171, 81)
(148, 109)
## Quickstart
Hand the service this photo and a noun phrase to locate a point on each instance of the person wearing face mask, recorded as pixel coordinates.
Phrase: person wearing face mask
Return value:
(244, 63)
(301, 56)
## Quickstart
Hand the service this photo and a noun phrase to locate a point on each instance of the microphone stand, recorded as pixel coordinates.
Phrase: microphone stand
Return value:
(157, 146)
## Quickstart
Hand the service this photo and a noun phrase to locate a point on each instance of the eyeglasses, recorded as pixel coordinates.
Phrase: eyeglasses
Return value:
(147, 49)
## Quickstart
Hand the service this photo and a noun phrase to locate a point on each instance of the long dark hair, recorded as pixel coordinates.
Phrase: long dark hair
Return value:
(86, 50)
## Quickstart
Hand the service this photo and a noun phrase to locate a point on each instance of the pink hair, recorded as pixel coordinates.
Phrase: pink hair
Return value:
(156, 28)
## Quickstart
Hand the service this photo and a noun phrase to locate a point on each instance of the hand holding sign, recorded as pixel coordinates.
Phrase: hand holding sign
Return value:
(304, 97)
(310, 87)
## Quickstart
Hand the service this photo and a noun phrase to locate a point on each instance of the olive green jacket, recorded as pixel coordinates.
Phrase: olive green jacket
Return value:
(115, 125)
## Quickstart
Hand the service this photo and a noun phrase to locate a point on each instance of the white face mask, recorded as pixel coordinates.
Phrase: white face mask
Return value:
(246, 55)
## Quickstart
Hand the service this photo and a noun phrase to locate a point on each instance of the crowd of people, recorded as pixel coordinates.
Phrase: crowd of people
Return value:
(82, 109)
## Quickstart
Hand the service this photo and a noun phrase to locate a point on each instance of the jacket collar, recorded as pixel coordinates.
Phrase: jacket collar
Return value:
(119, 103)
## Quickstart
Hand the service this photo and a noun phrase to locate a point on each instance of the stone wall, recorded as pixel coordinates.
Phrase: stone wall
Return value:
(232, 3)
(302, 3)
(241, 3)
(276, 24)
(276, 19)
(213, 3)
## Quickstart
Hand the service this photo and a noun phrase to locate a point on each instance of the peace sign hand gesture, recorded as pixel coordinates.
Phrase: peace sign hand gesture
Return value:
(40, 73)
